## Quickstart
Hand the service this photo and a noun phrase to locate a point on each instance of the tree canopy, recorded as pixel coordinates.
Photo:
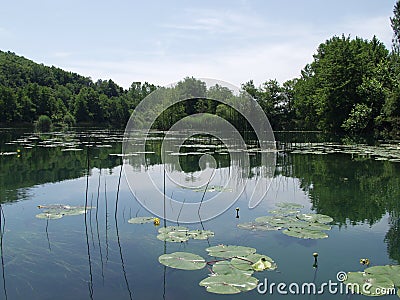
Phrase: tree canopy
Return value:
(352, 86)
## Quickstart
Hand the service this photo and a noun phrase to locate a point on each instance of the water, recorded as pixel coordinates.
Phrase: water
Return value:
(101, 256)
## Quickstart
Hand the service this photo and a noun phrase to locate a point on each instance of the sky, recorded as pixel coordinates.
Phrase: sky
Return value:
(162, 42)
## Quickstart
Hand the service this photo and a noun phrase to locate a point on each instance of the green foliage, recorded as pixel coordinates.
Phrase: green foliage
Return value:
(303, 226)
(69, 119)
(28, 90)
(43, 123)
(230, 275)
(351, 86)
(358, 119)
(374, 281)
(344, 73)
(395, 23)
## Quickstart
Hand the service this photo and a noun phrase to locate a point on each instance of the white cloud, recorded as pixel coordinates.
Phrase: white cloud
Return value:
(260, 62)
(255, 48)
(367, 28)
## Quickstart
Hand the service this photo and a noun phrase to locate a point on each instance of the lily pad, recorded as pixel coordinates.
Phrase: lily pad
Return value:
(182, 261)
(200, 234)
(284, 212)
(174, 237)
(74, 211)
(64, 210)
(390, 271)
(276, 220)
(319, 218)
(213, 188)
(368, 284)
(307, 225)
(305, 233)
(141, 220)
(225, 251)
(226, 268)
(229, 284)
(255, 262)
(289, 205)
(49, 216)
(254, 226)
(54, 206)
(169, 229)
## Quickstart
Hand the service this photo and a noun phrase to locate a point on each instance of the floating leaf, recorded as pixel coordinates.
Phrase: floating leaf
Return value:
(200, 234)
(141, 220)
(74, 211)
(54, 206)
(169, 229)
(64, 210)
(276, 220)
(174, 237)
(226, 268)
(289, 205)
(229, 284)
(213, 188)
(229, 251)
(307, 225)
(183, 261)
(390, 271)
(284, 212)
(305, 233)
(318, 226)
(49, 216)
(255, 262)
(222, 289)
(368, 284)
(254, 226)
(315, 218)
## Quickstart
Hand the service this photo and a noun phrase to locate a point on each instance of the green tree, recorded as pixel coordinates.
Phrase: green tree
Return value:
(342, 71)
(8, 104)
(358, 119)
(395, 23)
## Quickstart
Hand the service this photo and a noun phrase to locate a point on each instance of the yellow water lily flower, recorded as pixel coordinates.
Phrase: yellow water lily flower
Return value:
(261, 265)
(156, 221)
(364, 261)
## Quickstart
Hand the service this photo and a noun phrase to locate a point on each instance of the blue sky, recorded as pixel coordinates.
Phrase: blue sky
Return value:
(164, 41)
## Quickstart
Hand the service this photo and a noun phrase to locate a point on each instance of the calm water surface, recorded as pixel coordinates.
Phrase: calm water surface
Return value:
(102, 256)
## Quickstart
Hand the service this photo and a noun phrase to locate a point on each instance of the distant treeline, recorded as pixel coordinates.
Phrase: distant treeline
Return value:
(352, 86)
(29, 90)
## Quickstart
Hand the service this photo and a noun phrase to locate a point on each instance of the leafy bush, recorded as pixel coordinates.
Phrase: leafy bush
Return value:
(358, 119)
(43, 123)
(69, 120)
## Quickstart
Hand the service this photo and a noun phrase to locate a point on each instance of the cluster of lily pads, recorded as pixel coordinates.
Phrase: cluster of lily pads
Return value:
(179, 234)
(374, 281)
(57, 211)
(287, 217)
(67, 141)
(174, 234)
(231, 273)
(390, 152)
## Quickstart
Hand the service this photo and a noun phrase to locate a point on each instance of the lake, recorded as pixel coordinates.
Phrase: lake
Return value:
(99, 255)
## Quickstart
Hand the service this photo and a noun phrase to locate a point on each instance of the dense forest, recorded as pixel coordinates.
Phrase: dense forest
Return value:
(29, 90)
(352, 86)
